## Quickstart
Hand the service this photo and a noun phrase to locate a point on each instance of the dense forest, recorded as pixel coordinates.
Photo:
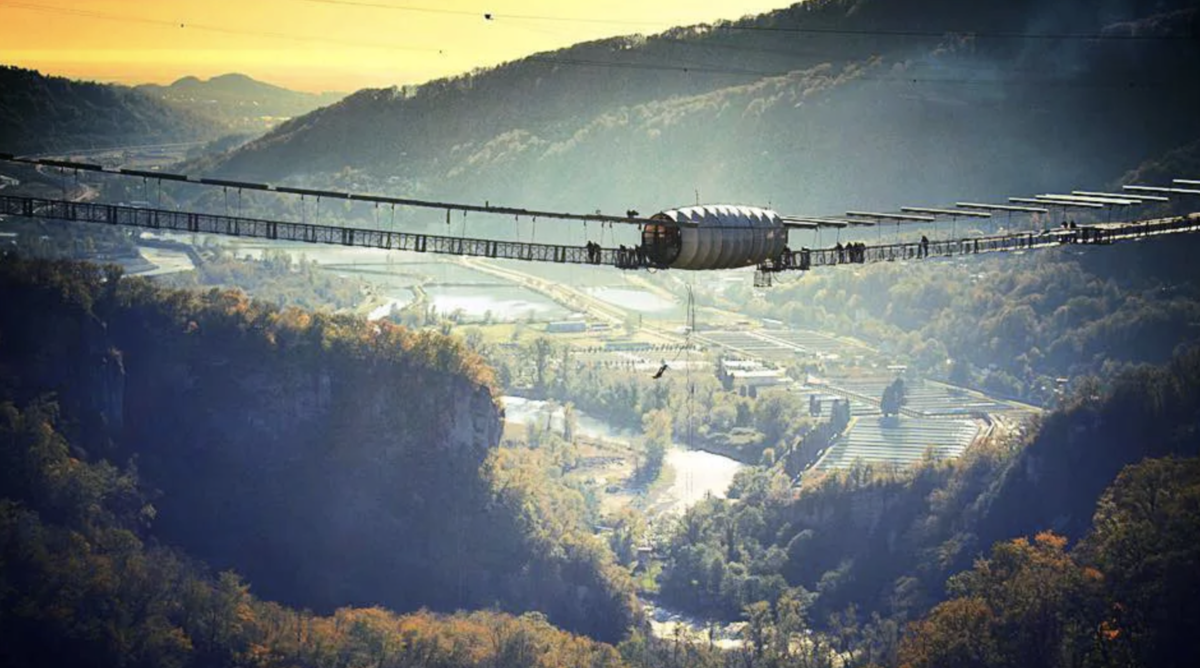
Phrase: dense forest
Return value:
(41, 113)
(882, 542)
(807, 108)
(1010, 325)
(80, 584)
(147, 437)
(329, 461)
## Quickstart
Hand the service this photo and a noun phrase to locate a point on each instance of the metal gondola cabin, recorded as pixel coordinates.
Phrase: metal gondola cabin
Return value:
(713, 237)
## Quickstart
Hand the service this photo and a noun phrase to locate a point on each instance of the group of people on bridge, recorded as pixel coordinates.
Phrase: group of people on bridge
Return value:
(630, 257)
(627, 257)
(851, 252)
(1072, 234)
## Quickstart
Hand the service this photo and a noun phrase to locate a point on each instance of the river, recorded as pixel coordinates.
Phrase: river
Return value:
(696, 474)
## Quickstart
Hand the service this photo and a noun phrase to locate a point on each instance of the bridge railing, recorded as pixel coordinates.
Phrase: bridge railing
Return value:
(916, 250)
(623, 258)
(207, 223)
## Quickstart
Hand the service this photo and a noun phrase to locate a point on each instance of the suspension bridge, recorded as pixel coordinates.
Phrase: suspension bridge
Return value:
(167, 220)
(720, 228)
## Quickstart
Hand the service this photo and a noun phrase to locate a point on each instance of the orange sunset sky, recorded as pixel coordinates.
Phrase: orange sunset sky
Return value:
(317, 45)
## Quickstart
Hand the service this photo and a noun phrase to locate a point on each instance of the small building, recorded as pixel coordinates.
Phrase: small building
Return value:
(567, 327)
(759, 378)
(626, 346)
(741, 365)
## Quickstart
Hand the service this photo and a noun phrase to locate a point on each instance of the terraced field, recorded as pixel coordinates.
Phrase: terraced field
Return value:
(751, 345)
(816, 343)
(875, 439)
(775, 345)
(927, 399)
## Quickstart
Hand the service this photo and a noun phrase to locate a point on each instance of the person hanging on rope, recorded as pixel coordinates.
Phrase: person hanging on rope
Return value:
(661, 370)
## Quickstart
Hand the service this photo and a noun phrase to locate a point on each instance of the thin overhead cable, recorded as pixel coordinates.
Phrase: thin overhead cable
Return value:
(746, 27)
(399, 8)
(613, 64)
(488, 16)
(187, 25)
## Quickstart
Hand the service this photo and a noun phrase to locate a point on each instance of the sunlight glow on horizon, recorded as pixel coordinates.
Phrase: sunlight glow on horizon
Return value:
(320, 45)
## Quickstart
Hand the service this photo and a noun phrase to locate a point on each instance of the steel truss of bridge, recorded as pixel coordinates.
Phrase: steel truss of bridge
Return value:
(804, 259)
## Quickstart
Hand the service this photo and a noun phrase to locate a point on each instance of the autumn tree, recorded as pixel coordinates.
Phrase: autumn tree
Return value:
(656, 432)
(1027, 604)
(1146, 540)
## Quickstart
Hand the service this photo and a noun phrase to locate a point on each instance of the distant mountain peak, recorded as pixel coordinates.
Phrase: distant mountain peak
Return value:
(232, 82)
(238, 100)
(233, 76)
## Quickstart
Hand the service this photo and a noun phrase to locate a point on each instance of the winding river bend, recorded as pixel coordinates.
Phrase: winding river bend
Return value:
(697, 474)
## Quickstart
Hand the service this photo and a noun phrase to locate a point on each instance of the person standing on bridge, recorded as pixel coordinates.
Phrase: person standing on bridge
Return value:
(924, 247)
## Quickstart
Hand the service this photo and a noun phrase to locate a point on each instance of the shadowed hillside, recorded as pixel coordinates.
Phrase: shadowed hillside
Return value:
(40, 113)
(330, 461)
(806, 108)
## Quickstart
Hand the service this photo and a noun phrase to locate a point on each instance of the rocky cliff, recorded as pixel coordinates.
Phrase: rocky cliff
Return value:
(329, 460)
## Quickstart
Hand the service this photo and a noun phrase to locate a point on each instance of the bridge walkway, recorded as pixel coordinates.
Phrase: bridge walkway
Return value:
(804, 259)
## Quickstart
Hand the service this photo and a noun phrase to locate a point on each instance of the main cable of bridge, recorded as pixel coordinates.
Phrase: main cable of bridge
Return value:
(205, 223)
(329, 194)
(1077, 199)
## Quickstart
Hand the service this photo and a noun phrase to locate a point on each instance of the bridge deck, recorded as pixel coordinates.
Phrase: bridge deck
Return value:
(1093, 234)
(206, 223)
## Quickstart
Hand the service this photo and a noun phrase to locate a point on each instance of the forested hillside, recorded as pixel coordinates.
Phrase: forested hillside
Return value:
(41, 113)
(885, 541)
(144, 430)
(329, 461)
(1010, 325)
(1123, 596)
(807, 108)
(81, 585)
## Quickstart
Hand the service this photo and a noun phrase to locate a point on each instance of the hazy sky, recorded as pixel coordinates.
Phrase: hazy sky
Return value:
(320, 44)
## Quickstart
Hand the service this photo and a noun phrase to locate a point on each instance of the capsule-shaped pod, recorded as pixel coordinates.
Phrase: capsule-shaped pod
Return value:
(721, 237)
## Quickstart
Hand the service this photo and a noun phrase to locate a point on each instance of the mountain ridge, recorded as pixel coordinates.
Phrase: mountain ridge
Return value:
(820, 94)
(238, 100)
(40, 113)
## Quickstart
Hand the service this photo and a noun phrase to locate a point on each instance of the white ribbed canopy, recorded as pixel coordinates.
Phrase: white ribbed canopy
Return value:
(724, 215)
